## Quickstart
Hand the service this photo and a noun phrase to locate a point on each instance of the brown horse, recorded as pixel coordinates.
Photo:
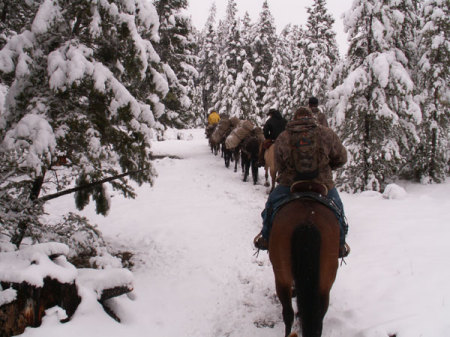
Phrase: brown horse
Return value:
(269, 166)
(303, 249)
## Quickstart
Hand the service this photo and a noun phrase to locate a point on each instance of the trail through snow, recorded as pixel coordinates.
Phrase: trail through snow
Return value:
(197, 275)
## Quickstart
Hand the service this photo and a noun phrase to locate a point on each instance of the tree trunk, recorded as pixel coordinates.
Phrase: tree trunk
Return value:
(31, 303)
(37, 186)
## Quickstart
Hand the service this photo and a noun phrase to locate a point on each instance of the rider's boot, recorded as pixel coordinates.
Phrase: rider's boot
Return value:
(260, 242)
(344, 250)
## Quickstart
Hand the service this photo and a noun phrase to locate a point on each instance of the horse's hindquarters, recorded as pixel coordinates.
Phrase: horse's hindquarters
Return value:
(303, 249)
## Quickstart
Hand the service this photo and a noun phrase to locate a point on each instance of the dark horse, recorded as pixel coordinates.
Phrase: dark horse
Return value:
(249, 157)
(230, 155)
(303, 249)
(208, 132)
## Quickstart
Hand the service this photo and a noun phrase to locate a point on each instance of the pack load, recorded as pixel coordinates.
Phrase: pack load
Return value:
(234, 121)
(209, 130)
(242, 130)
(258, 133)
(304, 142)
(221, 130)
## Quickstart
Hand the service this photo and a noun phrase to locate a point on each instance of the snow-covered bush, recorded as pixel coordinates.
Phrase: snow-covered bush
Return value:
(83, 239)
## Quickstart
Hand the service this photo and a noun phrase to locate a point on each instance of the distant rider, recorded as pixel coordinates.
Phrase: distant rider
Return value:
(272, 128)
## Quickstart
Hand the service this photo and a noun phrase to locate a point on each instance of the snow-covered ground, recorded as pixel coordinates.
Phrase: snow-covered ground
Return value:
(197, 275)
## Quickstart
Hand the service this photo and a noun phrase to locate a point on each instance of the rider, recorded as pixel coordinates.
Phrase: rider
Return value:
(272, 128)
(213, 118)
(335, 157)
(313, 104)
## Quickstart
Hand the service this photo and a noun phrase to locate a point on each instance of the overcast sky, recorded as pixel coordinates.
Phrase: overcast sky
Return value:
(284, 12)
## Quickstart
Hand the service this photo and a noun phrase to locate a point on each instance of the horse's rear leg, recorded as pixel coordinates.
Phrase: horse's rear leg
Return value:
(246, 170)
(266, 175)
(284, 293)
(273, 176)
(255, 170)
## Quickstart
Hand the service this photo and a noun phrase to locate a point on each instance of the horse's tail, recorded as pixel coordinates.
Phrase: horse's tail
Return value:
(306, 242)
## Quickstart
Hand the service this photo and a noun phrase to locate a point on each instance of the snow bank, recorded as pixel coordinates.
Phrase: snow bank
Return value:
(393, 191)
(33, 264)
(99, 280)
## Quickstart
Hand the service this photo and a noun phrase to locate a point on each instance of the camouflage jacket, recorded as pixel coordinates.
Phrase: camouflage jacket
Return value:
(332, 156)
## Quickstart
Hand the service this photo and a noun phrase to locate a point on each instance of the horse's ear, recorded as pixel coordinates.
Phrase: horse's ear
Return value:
(309, 186)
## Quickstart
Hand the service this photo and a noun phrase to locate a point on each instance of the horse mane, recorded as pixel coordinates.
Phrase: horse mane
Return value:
(306, 242)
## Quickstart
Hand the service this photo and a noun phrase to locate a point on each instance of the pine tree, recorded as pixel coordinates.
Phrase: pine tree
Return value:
(299, 45)
(244, 102)
(231, 45)
(278, 93)
(432, 159)
(287, 48)
(321, 50)
(176, 49)
(247, 36)
(223, 96)
(264, 42)
(375, 111)
(231, 57)
(194, 92)
(208, 61)
(81, 95)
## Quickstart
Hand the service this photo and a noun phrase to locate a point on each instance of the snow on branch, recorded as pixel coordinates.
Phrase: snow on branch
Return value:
(33, 137)
(15, 47)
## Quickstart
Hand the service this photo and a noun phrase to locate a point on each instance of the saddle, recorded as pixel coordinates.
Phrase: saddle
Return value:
(267, 143)
(309, 186)
(310, 190)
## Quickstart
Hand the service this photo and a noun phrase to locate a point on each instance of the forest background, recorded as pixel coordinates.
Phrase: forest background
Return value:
(85, 86)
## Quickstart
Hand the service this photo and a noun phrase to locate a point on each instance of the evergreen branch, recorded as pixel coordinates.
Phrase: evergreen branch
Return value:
(85, 186)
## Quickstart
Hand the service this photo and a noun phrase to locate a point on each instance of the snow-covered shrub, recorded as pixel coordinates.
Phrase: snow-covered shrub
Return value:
(84, 240)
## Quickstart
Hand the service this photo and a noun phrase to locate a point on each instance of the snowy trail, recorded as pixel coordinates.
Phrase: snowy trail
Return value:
(193, 233)
(197, 276)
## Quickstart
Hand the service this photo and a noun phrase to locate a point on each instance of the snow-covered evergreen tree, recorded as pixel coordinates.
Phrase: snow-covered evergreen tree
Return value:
(432, 159)
(231, 56)
(263, 48)
(247, 36)
(299, 68)
(176, 49)
(375, 111)
(231, 46)
(321, 50)
(194, 92)
(223, 96)
(244, 102)
(208, 61)
(278, 93)
(83, 84)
